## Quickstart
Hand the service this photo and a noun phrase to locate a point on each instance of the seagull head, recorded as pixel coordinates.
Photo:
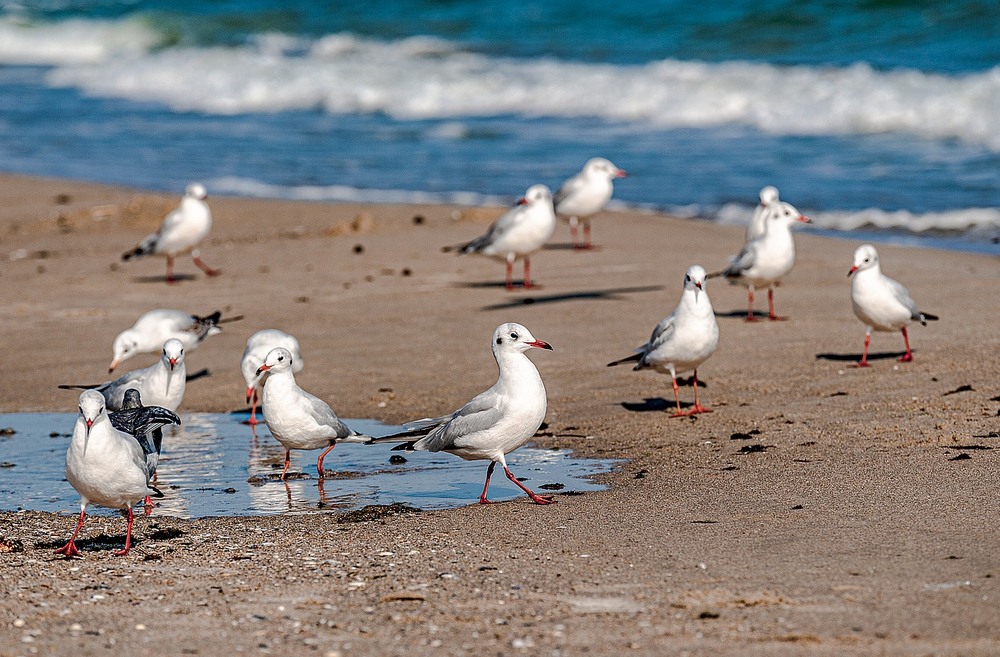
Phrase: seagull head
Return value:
(695, 280)
(536, 194)
(124, 347)
(277, 360)
(173, 353)
(865, 257)
(786, 214)
(768, 195)
(92, 407)
(196, 191)
(515, 337)
(601, 167)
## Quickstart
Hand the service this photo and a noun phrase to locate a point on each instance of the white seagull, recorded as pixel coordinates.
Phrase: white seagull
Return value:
(519, 233)
(160, 384)
(757, 225)
(586, 194)
(155, 327)
(880, 302)
(105, 466)
(765, 260)
(258, 346)
(683, 340)
(182, 230)
(297, 419)
(495, 422)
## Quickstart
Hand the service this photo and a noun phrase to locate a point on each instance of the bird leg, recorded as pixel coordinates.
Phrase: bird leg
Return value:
(908, 356)
(70, 549)
(864, 354)
(698, 408)
(750, 315)
(147, 504)
(510, 275)
(319, 461)
(128, 536)
(205, 268)
(528, 285)
(253, 409)
(586, 237)
(771, 315)
(573, 223)
(170, 270)
(537, 499)
(486, 487)
(288, 460)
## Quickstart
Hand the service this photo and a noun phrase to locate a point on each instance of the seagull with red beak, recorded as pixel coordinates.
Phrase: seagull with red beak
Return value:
(160, 384)
(107, 467)
(584, 195)
(683, 340)
(258, 346)
(495, 422)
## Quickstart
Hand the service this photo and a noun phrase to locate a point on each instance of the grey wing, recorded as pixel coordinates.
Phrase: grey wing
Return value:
(496, 230)
(742, 261)
(567, 189)
(479, 414)
(661, 334)
(325, 416)
(902, 295)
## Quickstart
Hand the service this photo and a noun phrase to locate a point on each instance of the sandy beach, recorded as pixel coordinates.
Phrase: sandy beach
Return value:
(820, 509)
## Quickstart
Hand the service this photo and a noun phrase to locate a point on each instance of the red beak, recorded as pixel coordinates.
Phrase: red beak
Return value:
(522, 201)
(621, 173)
(263, 368)
(853, 269)
(698, 285)
(804, 219)
(173, 363)
(538, 344)
(90, 423)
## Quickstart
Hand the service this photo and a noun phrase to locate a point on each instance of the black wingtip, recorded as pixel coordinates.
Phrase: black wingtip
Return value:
(627, 359)
(404, 447)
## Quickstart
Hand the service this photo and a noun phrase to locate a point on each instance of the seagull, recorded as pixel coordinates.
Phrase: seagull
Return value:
(585, 194)
(880, 302)
(765, 260)
(495, 422)
(182, 230)
(160, 384)
(683, 340)
(519, 233)
(757, 225)
(155, 327)
(105, 466)
(145, 424)
(258, 346)
(297, 419)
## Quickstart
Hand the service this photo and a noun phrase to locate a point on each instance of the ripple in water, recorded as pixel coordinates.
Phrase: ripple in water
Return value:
(215, 466)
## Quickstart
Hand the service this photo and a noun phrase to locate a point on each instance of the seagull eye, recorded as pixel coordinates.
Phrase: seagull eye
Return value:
(513, 336)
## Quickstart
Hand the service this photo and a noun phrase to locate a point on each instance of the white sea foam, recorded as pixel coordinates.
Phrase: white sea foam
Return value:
(428, 78)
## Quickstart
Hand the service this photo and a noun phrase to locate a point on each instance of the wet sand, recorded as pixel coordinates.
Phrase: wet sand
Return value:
(819, 509)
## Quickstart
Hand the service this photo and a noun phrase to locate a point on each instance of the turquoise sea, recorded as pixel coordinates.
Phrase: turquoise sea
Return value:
(880, 118)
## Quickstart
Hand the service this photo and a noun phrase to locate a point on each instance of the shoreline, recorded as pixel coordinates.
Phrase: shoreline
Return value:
(850, 530)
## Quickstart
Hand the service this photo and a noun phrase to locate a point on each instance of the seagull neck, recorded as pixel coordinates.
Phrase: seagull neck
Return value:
(516, 371)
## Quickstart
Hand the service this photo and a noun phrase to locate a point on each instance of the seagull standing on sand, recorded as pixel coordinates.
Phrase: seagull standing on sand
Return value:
(495, 422)
(683, 340)
(145, 424)
(154, 328)
(160, 384)
(105, 466)
(258, 346)
(880, 302)
(765, 260)
(757, 226)
(297, 419)
(519, 233)
(586, 194)
(181, 232)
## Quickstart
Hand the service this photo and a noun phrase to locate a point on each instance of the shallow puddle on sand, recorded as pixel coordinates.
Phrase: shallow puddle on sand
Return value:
(213, 465)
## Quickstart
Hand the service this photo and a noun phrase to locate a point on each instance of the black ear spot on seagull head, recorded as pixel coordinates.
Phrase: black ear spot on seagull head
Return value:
(499, 340)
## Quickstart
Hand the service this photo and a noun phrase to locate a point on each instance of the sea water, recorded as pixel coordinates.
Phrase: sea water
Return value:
(214, 465)
(868, 116)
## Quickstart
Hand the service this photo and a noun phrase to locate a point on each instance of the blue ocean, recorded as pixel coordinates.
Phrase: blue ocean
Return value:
(880, 118)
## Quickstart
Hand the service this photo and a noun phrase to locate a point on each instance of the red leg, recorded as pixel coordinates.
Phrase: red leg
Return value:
(128, 536)
(677, 398)
(572, 231)
(253, 410)
(537, 499)
(510, 275)
(486, 487)
(288, 460)
(864, 354)
(698, 408)
(205, 268)
(586, 236)
(147, 504)
(319, 461)
(70, 549)
(770, 306)
(908, 356)
(750, 315)
(170, 270)
(528, 285)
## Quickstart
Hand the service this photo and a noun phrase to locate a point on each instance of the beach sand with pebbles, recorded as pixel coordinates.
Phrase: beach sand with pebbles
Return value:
(820, 509)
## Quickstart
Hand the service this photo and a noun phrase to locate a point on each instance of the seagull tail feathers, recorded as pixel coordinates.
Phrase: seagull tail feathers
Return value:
(927, 317)
(145, 247)
(70, 386)
(628, 359)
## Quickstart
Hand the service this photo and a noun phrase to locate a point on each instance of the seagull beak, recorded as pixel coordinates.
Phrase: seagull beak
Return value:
(804, 219)
(621, 173)
(698, 285)
(89, 422)
(538, 344)
(112, 366)
(262, 368)
(522, 201)
(853, 269)
(173, 363)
